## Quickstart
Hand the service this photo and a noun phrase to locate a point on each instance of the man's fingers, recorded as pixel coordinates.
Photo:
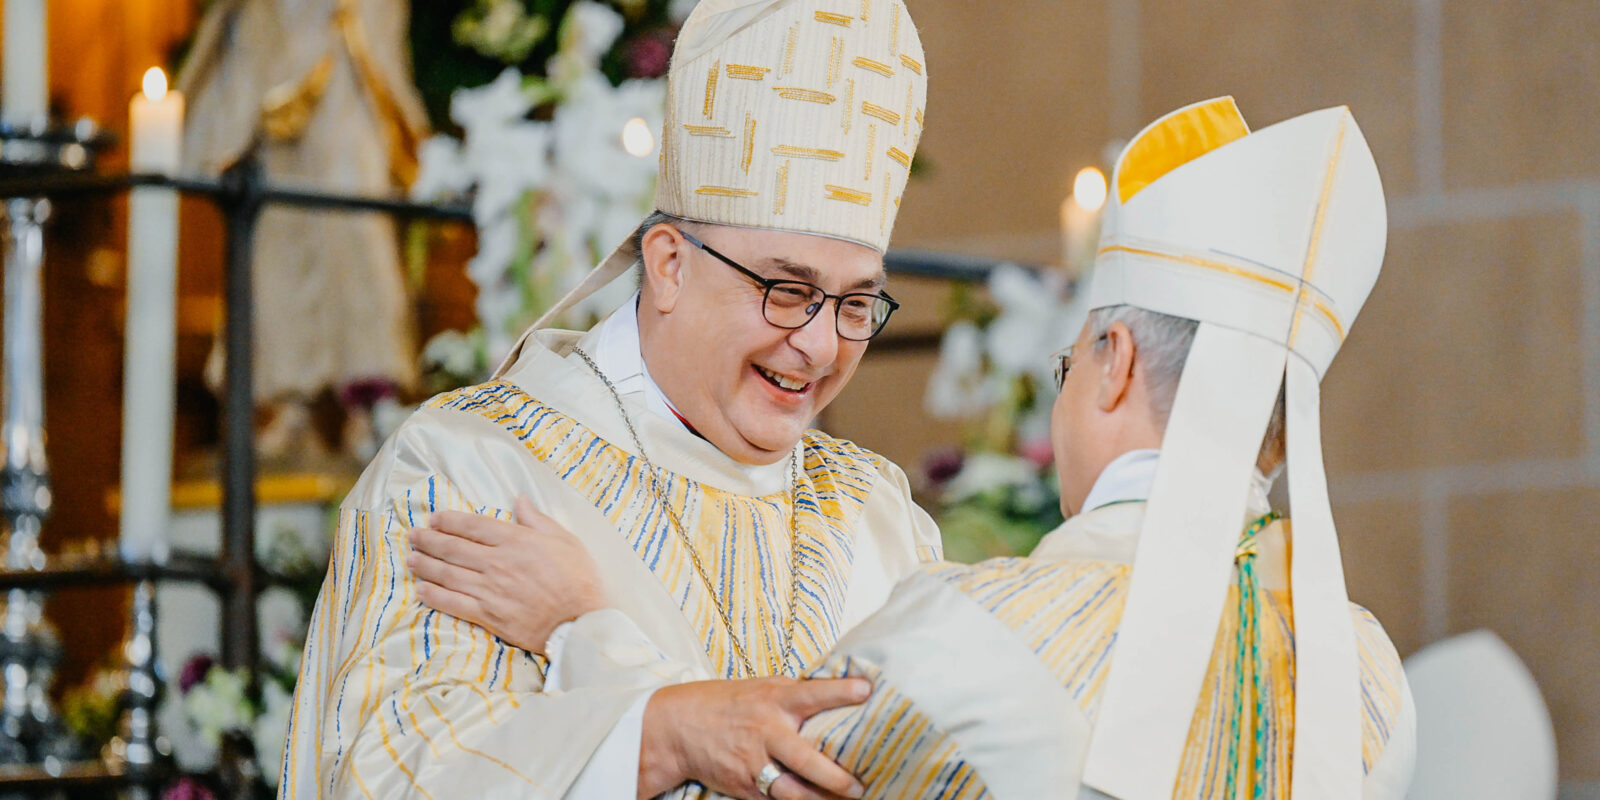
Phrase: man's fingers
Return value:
(449, 601)
(474, 527)
(790, 787)
(443, 573)
(452, 549)
(810, 697)
(802, 758)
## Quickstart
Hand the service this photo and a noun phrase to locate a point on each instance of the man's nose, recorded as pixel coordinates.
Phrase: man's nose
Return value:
(818, 340)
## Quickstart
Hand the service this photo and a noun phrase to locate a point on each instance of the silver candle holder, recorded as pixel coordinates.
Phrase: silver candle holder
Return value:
(31, 731)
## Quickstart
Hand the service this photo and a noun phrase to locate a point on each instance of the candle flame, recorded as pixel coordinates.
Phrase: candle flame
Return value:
(155, 83)
(637, 138)
(1089, 188)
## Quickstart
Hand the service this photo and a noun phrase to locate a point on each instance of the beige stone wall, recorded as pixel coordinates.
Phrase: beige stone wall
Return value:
(1462, 421)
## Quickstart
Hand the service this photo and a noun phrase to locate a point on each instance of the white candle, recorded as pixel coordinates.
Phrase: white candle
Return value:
(25, 92)
(156, 130)
(1080, 220)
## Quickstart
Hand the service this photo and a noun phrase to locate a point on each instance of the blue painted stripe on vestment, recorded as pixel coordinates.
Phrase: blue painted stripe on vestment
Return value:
(395, 707)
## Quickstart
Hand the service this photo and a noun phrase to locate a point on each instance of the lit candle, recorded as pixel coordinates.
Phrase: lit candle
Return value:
(25, 92)
(156, 130)
(1080, 220)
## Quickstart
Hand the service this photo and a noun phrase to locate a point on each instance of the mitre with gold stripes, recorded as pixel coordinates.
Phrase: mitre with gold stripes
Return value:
(1272, 241)
(787, 115)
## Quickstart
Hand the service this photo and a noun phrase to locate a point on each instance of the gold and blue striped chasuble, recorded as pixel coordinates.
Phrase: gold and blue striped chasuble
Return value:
(743, 541)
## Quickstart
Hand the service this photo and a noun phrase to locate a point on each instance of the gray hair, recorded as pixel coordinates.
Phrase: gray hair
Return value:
(1162, 342)
(657, 217)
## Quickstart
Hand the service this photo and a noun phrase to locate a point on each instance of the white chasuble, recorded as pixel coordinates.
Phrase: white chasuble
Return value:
(987, 678)
(398, 700)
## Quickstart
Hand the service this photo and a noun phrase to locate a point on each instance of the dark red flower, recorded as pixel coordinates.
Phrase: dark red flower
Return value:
(187, 788)
(650, 53)
(194, 671)
(942, 465)
(366, 392)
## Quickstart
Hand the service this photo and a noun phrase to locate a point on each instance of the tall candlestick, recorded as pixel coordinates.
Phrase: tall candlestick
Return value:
(25, 89)
(156, 130)
(1080, 220)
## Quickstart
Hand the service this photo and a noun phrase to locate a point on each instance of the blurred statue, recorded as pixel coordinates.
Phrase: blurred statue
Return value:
(325, 87)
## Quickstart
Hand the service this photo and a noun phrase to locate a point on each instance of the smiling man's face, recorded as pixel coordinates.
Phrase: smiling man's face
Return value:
(747, 386)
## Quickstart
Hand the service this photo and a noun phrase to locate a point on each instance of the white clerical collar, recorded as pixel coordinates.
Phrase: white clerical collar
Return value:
(620, 357)
(1130, 477)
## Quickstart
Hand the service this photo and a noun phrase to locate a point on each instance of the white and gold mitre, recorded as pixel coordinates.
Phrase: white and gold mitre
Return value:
(1271, 240)
(794, 115)
(1279, 233)
(789, 115)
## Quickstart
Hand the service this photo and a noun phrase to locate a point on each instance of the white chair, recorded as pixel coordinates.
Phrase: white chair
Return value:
(1483, 730)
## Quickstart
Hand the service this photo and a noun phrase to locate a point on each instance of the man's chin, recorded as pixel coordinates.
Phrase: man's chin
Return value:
(770, 447)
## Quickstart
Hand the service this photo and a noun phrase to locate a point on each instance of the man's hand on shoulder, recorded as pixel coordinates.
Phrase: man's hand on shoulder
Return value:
(519, 580)
(721, 733)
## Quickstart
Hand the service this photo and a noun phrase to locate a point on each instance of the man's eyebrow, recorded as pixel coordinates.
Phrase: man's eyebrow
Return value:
(811, 275)
(794, 270)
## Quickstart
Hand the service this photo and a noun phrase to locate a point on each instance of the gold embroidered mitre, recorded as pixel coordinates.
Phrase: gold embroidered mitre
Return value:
(794, 115)
(788, 115)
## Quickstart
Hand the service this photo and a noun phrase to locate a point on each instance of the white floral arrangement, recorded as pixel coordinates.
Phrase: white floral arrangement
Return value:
(998, 494)
(550, 196)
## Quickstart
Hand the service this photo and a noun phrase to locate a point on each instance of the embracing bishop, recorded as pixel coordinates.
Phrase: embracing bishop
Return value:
(672, 440)
(1175, 638)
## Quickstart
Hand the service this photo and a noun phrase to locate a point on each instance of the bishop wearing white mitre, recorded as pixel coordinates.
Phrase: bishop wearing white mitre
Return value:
(731, 542)
(1174, 639)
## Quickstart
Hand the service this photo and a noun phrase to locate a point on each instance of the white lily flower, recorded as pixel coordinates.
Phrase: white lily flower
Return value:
(491, 105)
(985, 471)
(442, 171)
(588, 135)
(957, 387)
(269, 732)
(590, 29)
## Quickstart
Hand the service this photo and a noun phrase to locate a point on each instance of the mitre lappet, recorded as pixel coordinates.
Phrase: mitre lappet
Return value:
(1272, 241)
(787, 116)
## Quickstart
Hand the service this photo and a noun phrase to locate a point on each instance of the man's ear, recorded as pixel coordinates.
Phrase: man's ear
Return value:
(663, 250)
(1116, 367)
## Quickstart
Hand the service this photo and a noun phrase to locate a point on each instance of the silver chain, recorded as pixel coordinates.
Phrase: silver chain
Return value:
(787, 651)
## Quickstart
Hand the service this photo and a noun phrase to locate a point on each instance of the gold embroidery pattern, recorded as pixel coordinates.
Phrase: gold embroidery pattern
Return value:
(849, 103)
(883, 210)
(866, 10)
(791, 151)
(746, 72)
(874, 66)
(708, 130)
(782, 200)
(749, 142)
(848, 195)
(911, 107)
(874, 110)
(872, 145)
(831, 18)
(788, 48)
(900, 156)
(911, 63)
(835, 60)
(805, 95)
(725, 191)
(711, 89)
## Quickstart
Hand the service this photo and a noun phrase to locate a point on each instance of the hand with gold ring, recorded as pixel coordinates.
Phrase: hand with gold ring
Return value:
(741, 738)
(768, 775)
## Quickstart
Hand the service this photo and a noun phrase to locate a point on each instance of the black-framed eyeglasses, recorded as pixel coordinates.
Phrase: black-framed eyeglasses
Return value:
(791, 305)
(1062, 360)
